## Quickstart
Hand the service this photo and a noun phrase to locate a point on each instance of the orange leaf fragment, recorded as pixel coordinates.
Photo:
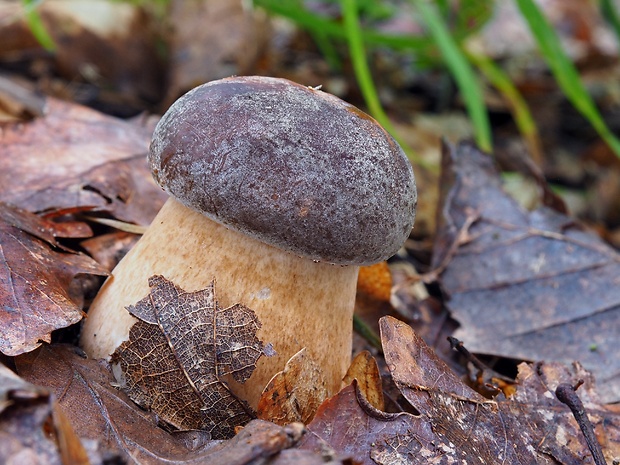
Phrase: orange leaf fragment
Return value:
(365, 370)
(295, 393)
(375, 281)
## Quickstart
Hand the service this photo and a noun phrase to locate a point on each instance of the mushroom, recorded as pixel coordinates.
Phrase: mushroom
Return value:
(280, 192)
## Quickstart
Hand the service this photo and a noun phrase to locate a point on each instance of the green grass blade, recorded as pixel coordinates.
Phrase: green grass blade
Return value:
(564, 71)
(518, 106)
(36, 26)
(610, 13)
(334, 28)
(363, 75)
(461, 71)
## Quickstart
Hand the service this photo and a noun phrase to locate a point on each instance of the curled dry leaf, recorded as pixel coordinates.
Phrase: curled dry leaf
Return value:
(293, 394)
(365, 370)
(530, 285)
(456, 424)
(35, 281)
(179, 353)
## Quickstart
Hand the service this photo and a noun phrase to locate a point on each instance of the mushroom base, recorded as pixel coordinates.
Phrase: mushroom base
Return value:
(299, 303)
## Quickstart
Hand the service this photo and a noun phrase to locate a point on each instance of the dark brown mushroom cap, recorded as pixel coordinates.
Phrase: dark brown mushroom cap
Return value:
(292, 166)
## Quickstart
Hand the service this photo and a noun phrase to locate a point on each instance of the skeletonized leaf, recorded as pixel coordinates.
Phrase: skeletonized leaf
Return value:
(180, 350)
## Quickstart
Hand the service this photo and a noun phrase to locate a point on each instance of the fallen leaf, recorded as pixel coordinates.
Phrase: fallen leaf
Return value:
(375, 281)
(455, 424)
(106, 417)
(179, 352)
(529, 285)
(365, 370)
(293, 394)
(32, 427)
(530, 427)
(35, 280)
(76, 157)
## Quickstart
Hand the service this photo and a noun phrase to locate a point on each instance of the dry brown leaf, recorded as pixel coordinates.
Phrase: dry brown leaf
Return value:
(76, 157)
(211, 40)
(118, 429)
(35, 281)
(528, 285)
(179, 353)
(455, 424)
(33, 429)
(365, 370)
(293, 394)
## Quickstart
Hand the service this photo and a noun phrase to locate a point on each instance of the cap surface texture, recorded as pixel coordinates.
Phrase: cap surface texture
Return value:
(292, 166)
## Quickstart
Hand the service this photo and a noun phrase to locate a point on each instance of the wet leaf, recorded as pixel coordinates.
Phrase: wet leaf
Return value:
(76, 157)
(530, 285)
(455, 424)
(179, 353)
(35, 281)
(107, 417)
(293, 394)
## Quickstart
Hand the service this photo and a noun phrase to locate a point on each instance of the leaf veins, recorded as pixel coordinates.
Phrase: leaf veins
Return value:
(178, 353)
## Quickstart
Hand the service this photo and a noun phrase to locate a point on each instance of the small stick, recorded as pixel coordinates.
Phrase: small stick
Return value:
(567, 395)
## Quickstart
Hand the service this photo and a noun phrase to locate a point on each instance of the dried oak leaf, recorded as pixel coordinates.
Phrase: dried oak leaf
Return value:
(365, 370)
(179, 352)
(455, 424)
(35, 281)
(529, 285)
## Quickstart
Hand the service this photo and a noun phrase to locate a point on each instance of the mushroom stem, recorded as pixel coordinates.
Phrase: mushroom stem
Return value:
(299, 303)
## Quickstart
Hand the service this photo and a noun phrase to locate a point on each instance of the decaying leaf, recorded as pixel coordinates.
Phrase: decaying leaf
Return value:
(179, 352)
(365, 370)
(33, 428)
(530, 285)
(375, 282)
(293, 394)
(35, 278)
(74, 157)
(456, 424)
(107, 419)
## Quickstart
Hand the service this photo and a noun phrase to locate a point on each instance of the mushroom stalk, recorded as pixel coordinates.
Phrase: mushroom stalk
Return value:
(299, 302)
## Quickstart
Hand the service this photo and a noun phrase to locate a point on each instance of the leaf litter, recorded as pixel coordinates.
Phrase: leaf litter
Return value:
(456, 424)
(36, 276)
(530, 285)
(347, 425)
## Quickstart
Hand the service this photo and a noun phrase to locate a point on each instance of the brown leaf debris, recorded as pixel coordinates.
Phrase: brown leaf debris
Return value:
(180, 350)
(293, 394)
(35, 278)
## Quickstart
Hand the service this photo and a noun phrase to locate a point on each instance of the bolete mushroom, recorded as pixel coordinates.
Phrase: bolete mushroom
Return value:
(279, 192)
